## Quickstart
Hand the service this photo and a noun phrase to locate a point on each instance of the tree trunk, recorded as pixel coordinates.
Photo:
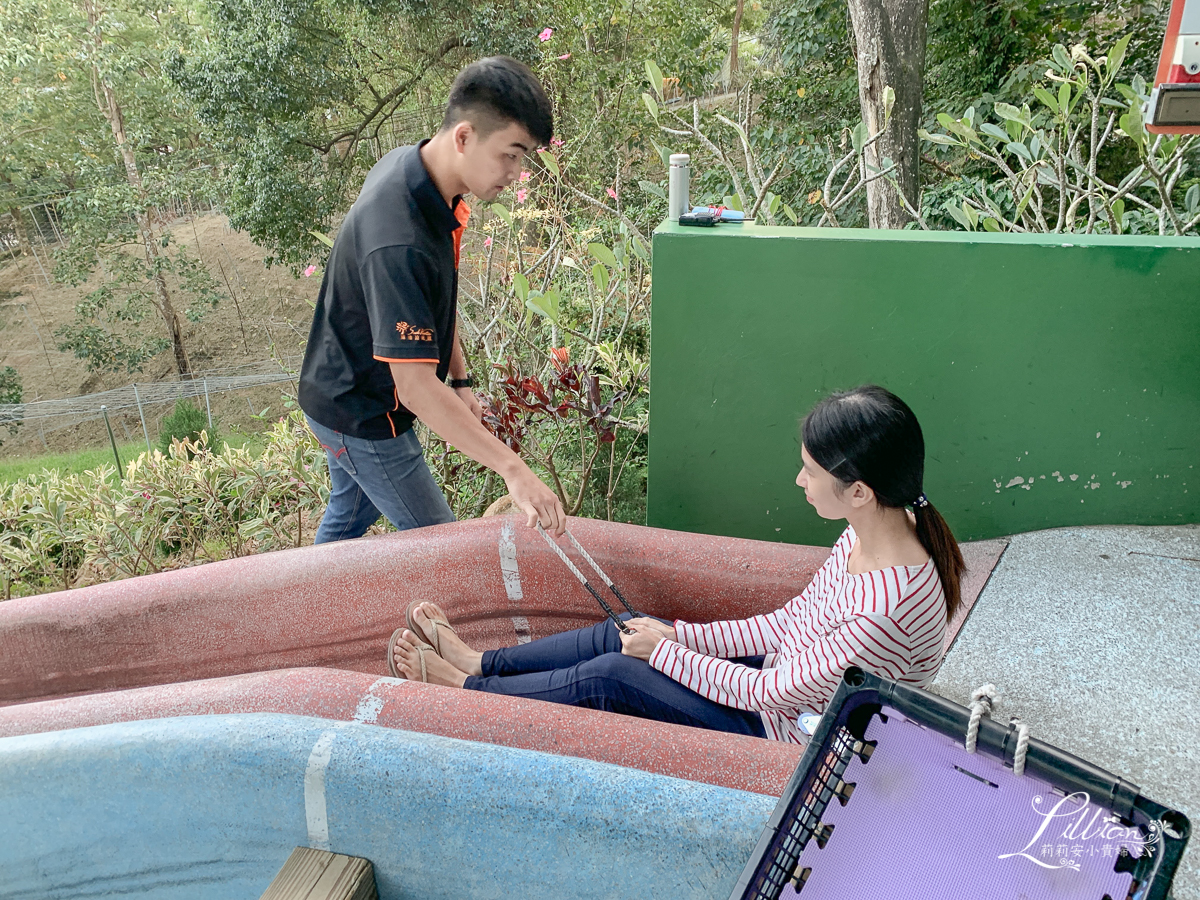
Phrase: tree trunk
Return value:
(733, 43)
(18, 221)
(19, 228)
(889, 37)
(111, 109)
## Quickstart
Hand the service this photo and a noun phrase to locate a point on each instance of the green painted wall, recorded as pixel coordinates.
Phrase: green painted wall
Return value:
(1056, 378)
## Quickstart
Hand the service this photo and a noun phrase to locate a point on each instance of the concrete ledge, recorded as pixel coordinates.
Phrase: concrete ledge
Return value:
(1090, 634)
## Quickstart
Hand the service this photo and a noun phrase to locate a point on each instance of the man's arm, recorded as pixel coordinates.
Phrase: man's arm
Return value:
(447, 415)
(458, 369)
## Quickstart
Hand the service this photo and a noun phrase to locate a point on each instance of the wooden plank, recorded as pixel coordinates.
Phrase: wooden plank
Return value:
(312, 874)
(302, 869)
(345, 878)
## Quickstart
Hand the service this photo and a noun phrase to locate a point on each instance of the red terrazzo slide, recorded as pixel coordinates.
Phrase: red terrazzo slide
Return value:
(334, 606)
(728, 760)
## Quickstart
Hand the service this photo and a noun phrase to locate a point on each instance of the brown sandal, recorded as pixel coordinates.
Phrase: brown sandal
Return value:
(421, 646)
(435, 624)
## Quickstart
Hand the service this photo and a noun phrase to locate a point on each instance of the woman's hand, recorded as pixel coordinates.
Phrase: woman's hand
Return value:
(646, 635)
(662, 628)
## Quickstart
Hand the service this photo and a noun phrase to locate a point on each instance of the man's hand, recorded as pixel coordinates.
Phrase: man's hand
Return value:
(642, 642)
(442, 409)
(538, 502)
(467, 396)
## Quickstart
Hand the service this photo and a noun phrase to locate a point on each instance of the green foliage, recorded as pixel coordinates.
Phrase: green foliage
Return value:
(11, 391)
(188, 505)
(304, 96)
(975, 45)
(90, 91)
(1042, 161)
(108, 332)
(44, 113)
(979, 52)
(561, 337)
(187, 423)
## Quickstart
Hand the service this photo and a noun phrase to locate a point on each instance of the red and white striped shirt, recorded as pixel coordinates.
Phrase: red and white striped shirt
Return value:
(890, 621)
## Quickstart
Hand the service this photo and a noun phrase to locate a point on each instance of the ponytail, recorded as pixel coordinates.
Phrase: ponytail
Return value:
(870, 435)
(935, 536)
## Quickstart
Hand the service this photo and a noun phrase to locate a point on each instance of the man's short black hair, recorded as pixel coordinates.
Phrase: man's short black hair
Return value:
(491, 93)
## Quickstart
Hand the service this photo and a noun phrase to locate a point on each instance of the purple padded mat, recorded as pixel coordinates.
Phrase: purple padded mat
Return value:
(917, 827)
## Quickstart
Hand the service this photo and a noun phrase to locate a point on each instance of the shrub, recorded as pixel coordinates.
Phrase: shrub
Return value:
(186, 423)
(1060, 162)
(174, 509)
(11, 391)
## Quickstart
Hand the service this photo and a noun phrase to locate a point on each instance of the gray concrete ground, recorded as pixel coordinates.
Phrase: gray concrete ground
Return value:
(1092, 636)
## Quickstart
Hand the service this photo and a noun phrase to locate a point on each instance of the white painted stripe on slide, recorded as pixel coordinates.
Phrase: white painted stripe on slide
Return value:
(523, 628)
(512, 579)
(508, 563)
(369, 706)
(314, 791)
(316, 813)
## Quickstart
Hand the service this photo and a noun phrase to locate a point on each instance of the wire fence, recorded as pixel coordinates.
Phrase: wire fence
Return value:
(144, 398)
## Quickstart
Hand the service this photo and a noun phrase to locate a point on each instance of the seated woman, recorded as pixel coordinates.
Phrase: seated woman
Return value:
(881, 601)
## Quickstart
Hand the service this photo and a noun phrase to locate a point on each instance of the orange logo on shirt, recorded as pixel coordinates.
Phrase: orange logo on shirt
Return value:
(408, 333)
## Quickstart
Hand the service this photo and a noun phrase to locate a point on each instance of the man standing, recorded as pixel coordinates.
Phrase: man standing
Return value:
(384, 336)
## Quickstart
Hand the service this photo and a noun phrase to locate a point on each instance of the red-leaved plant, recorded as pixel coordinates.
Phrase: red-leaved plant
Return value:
(572, 396)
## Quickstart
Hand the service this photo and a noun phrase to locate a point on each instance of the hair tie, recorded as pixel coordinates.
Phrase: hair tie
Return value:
(921, 501)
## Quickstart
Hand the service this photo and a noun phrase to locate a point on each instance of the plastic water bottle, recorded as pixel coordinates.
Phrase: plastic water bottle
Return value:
(677, 186)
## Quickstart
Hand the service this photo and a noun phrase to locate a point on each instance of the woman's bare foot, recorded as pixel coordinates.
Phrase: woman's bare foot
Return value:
(454, 651)
(437, 669)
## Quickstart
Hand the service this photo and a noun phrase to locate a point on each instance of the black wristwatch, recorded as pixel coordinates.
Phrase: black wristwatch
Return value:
(457, 383)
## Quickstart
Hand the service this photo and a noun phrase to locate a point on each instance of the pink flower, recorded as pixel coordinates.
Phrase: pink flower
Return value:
(521, 195)
(565, 56)
(611, 193)
(487, 242)
(524, 176)
(545, 35)
(308, 272)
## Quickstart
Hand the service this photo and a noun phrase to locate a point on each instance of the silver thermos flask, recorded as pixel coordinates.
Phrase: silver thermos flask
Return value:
(677, 187)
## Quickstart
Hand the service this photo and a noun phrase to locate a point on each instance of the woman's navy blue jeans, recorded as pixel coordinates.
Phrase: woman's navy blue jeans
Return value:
(586, 668)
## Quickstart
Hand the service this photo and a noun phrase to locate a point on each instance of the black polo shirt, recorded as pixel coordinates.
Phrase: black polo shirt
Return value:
(388, 295)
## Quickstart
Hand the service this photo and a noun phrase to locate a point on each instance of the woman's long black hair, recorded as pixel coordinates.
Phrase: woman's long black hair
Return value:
(870, 435)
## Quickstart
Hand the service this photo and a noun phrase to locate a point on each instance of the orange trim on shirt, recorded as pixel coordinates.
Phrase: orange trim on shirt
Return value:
(462, 213)
(396, 408)
(387, 360)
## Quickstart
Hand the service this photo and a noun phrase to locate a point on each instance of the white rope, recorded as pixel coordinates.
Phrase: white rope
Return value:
(982, 701)
(561, 555)
(1022, 745)
(599, 571)
(608, 610)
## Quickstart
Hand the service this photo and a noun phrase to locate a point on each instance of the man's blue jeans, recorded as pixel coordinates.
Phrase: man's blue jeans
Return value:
(370, 478)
